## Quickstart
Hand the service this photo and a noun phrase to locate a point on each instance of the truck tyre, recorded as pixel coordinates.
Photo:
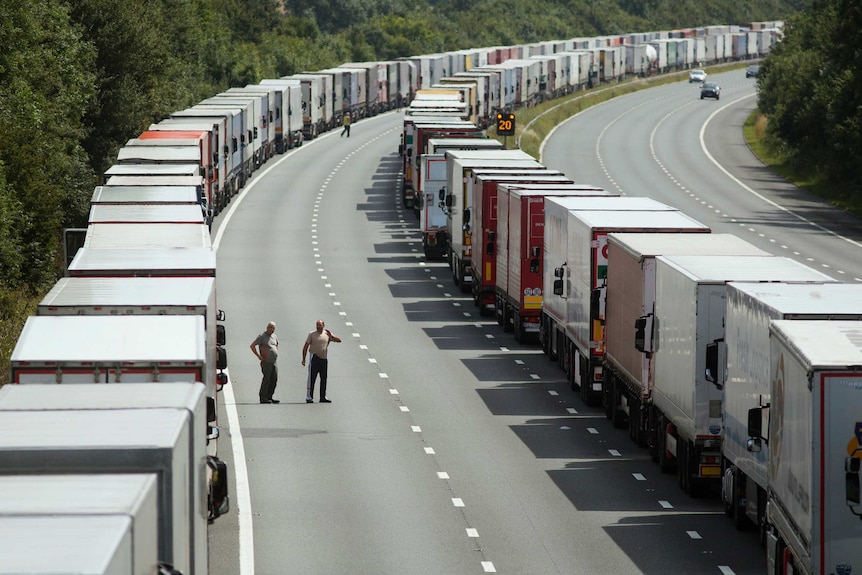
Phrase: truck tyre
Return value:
(652, 434)
(664, 462)
(618, 416)
(507, 318)
(682, 470)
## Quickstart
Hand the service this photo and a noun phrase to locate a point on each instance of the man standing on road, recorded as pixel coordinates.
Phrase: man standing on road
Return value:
(317, 341)
(265, 348)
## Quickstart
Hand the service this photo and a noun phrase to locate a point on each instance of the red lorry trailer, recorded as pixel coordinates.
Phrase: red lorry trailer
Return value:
(417, 132)
(518, 289)
(484, 216)
(207, 144)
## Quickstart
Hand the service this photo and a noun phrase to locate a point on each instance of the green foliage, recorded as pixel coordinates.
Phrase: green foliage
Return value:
(80, 77)
(45, 84)
(811, 90)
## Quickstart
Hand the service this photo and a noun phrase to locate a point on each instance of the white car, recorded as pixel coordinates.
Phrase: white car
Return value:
(697, 76)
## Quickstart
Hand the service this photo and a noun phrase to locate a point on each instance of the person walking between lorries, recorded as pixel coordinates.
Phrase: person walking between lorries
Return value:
(317, 341)
(345, 121)
(265, 348)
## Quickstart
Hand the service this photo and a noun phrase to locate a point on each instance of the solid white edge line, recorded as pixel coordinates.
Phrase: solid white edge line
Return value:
(242, 501)
(753, 192)
(242, 498)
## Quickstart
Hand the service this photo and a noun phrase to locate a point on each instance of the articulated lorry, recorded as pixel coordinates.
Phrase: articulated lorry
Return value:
(41, 498)
(459, 201)
(164, 441)
(430, 196)
(575, 275)
(813, 427)
(751, 307)
(628, 371)
(519, 266)
(685, 417)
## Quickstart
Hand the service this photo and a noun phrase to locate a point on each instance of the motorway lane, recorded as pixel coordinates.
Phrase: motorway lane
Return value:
(433, 407)
(667, 144)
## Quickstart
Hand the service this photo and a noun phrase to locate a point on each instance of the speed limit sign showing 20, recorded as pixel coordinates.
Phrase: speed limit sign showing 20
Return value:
(505, 124)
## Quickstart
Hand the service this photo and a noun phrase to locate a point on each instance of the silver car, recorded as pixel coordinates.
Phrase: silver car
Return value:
(697, 76)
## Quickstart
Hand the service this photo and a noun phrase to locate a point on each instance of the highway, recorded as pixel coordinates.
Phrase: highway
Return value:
(449, 448)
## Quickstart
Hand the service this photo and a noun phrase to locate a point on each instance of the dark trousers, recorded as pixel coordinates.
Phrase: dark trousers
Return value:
(316, 367)
(346, 130)
(270, 378)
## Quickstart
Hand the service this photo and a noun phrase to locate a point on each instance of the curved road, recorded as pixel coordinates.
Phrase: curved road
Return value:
(449, 448)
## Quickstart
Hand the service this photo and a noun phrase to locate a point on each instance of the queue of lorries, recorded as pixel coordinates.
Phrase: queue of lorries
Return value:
(118, 466)
(739, 370)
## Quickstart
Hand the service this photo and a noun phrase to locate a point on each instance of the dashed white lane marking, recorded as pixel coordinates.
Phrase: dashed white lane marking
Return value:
(665, 504)
(472, 532)
(694, 535)
(552, 392)
(393, 391)
(363, 346)
(383, 375)
(458, 502)
(615, 453)
(593, 430)
(415, 429)
(725, 570)
(489, 335)
(403, 408)
(488, 567)
(354, 334)
(535, 376)
(572, 410)
(442, 475)
(504, 348)
(429, 450)
(639, 476)
(519, 361)
(372, 360)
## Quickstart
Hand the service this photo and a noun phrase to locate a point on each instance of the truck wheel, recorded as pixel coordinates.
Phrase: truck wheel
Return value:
(618, 416)
(608, 395)
(652, 434)
(517, 327)
(507, 318)
(664, 462)
(683, 473)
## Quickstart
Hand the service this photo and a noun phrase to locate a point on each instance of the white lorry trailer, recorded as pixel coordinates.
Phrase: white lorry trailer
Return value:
(814, 430)
(96, 545)
(459, 202)
(155, 262)
(150, 195)
(146, 214)
(429, 204)
(149, 296)
(574, 279)
(628, 373)
(132, 496)
(750, 309)
(182, 396)
(156, 441)
(147, 236)
(685, 414)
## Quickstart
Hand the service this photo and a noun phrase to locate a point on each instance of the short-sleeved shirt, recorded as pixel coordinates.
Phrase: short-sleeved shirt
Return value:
(268, 345)
(317, 343)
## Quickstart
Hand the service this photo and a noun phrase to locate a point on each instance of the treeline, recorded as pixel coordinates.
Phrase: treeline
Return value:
(80, 77)
(811, 91)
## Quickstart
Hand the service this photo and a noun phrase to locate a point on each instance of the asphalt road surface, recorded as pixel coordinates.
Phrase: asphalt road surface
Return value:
(448, 448)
